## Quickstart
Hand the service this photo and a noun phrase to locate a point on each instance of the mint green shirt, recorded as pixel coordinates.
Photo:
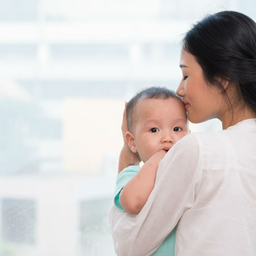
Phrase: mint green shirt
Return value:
(167, 248)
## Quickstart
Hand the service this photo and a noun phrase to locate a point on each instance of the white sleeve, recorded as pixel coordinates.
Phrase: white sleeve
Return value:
(178, 175)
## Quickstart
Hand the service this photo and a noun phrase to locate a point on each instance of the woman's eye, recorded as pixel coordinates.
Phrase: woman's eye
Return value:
(185, 77)
(154, 129)
(177, 129)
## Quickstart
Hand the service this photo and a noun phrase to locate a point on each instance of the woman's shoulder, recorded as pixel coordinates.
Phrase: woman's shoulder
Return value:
(201, 142)
(208, 147)
(204, 137)
(188, 147)
(199, 138)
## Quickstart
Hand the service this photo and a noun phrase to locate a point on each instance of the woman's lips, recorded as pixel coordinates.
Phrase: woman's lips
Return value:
(186, 105)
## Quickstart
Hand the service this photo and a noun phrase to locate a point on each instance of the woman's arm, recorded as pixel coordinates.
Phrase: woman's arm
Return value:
(136, 192)
(177, 177)
(127, 158)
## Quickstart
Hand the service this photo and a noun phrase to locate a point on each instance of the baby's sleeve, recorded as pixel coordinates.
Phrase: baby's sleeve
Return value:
(122, 179)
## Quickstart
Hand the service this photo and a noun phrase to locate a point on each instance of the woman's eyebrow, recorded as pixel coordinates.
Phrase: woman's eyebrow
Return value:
(183, 66)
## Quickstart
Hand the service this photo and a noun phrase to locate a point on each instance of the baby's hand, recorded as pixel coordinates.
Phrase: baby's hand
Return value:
(157, 157)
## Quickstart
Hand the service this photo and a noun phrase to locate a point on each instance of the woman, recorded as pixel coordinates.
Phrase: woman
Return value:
(206, 184)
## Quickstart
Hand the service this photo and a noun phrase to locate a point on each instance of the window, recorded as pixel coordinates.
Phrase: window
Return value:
(19, 10)
(66, 69)
(94, 227)
(18, 221)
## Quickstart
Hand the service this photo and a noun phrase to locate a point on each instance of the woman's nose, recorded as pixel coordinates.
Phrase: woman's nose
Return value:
(180, 90)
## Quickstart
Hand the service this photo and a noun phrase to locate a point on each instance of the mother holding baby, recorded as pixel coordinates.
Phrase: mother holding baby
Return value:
(206, 183)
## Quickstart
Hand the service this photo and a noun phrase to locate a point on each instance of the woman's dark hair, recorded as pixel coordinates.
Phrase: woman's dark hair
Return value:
(224, 45)
(149, 93)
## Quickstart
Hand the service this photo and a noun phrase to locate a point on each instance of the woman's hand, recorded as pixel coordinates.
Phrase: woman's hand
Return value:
(124, 127)
(127, 157)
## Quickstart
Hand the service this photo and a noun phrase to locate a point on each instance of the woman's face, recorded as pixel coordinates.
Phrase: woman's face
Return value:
(202, 101)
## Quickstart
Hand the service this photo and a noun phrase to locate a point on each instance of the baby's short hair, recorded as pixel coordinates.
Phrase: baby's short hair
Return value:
(149, 93)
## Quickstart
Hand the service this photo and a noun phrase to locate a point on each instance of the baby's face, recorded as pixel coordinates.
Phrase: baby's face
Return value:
(158, 124)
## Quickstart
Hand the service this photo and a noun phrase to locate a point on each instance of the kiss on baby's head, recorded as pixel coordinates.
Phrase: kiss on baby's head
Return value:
(149, 93)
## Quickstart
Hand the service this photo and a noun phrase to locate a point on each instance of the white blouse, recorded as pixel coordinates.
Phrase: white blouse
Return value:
(206, 185)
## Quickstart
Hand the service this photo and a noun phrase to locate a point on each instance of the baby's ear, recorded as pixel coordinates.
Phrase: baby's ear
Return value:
(131, 142)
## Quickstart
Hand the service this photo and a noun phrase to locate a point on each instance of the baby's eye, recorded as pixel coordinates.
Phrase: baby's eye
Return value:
(154, 129)
(177, 129)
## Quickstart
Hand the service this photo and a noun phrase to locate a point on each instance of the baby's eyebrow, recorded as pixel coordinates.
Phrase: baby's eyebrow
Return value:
(151, 121)
(181, 120)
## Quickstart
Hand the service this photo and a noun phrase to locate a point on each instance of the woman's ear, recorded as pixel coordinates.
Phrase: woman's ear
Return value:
(224, 83)
(131, 142)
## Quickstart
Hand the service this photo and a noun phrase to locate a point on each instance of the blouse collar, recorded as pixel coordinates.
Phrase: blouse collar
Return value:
(251, 122)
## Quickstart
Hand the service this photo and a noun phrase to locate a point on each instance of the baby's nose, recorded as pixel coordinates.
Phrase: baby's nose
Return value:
(167, 137)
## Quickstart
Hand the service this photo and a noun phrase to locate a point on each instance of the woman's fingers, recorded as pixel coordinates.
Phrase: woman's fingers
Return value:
(124, 122)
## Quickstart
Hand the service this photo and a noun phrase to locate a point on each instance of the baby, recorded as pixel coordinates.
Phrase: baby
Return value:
(156, 120)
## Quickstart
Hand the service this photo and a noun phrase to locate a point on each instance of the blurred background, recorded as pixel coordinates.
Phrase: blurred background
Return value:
(66, 69)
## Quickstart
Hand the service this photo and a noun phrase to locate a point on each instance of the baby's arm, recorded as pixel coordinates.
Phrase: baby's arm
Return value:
(136, 192)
